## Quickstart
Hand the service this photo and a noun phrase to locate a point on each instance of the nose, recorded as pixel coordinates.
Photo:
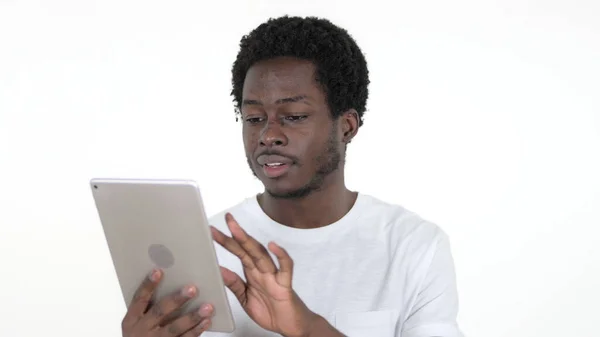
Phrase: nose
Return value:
(273, 135)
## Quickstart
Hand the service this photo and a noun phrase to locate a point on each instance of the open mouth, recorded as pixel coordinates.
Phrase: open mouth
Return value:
(274, 170)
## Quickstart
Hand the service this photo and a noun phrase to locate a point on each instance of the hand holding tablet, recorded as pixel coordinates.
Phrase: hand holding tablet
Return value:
(161, 224)
(144, 319)
(160, 227)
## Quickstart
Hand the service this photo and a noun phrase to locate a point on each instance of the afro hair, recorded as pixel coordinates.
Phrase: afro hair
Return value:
(341, 68)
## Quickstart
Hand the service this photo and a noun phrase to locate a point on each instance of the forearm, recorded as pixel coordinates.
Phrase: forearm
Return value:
(322, 328)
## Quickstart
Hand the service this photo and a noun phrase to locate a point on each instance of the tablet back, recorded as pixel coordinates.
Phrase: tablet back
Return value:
(150, 223)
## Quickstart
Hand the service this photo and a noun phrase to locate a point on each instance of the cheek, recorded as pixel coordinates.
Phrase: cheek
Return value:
(249, 138)
(315, 149)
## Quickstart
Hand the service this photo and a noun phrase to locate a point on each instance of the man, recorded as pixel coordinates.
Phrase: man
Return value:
(308, 257)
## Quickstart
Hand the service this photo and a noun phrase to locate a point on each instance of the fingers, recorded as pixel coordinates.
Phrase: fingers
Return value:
(233, 247)
(161, 310)
(158, 318)
(259, 255)
(235, 283)
(258, 252)
(286, 265)
(142, 297)
(191, 324)
(253, 255)
(198, 329)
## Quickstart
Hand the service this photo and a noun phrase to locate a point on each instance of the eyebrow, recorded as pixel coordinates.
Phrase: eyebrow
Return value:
(294, 99)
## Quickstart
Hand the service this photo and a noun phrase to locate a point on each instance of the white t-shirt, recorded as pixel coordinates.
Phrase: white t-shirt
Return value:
(380, 271)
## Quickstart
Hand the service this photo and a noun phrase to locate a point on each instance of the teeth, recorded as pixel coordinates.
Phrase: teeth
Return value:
(273, 164)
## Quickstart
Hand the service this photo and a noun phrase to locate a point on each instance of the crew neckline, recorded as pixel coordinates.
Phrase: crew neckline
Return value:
(287, 234)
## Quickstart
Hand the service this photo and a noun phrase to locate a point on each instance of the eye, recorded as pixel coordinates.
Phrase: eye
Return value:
(295, 118)
(254, 120)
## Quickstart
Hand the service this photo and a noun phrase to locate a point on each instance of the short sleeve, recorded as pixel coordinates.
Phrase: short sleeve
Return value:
(435, 310)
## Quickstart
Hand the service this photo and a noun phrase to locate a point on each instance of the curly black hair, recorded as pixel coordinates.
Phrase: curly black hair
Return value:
(340, 64)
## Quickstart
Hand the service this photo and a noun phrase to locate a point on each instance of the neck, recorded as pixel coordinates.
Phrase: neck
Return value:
(320, 208)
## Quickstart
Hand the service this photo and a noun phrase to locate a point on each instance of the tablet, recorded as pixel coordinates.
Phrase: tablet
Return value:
(162, 223)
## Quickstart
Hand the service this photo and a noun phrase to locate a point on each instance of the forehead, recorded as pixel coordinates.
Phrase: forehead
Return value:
(270, 80)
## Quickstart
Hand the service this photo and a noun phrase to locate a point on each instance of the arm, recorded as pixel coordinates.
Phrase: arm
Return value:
(434, 311)
(322, 328)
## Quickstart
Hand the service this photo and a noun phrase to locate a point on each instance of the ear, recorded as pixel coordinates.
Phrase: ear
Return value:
(350, 122)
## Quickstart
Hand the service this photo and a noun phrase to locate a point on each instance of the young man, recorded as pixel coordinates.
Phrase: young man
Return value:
(308, 257)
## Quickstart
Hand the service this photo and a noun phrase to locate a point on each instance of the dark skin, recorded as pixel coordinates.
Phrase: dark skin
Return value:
(284, 110)
(144, 319)
(285, 113)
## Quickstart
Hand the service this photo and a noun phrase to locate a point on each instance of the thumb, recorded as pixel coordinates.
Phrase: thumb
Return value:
(235, 283)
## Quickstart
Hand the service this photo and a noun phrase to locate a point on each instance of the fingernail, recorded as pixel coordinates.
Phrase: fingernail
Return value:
(206, 310)
(155, 275)
(205, 324)
(188, 291)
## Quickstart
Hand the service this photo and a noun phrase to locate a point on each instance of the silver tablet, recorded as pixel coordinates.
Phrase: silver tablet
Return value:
(162, 223)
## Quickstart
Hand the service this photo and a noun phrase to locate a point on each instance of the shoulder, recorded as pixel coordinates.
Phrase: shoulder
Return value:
(406, 232)
(417, 247)
(398, 220)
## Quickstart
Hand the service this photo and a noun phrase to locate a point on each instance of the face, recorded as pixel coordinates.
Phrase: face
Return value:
(292, 144)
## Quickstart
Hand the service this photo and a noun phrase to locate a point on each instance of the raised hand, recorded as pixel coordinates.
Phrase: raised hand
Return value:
(267, 295)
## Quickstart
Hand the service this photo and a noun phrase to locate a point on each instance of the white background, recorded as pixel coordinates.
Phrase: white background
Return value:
(483, 117)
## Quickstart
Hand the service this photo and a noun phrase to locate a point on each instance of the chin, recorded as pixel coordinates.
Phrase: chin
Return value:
(278, 186)
(287, 186)
(285, 189)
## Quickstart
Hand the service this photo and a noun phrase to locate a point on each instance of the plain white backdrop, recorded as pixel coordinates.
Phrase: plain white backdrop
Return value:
(483, 117)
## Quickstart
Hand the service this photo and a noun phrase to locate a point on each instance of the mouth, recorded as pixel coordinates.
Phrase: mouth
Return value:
(274, 166)
(275, 169)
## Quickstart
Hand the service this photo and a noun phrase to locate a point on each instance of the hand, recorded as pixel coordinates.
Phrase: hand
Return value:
(267, 295)
(145, 320)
